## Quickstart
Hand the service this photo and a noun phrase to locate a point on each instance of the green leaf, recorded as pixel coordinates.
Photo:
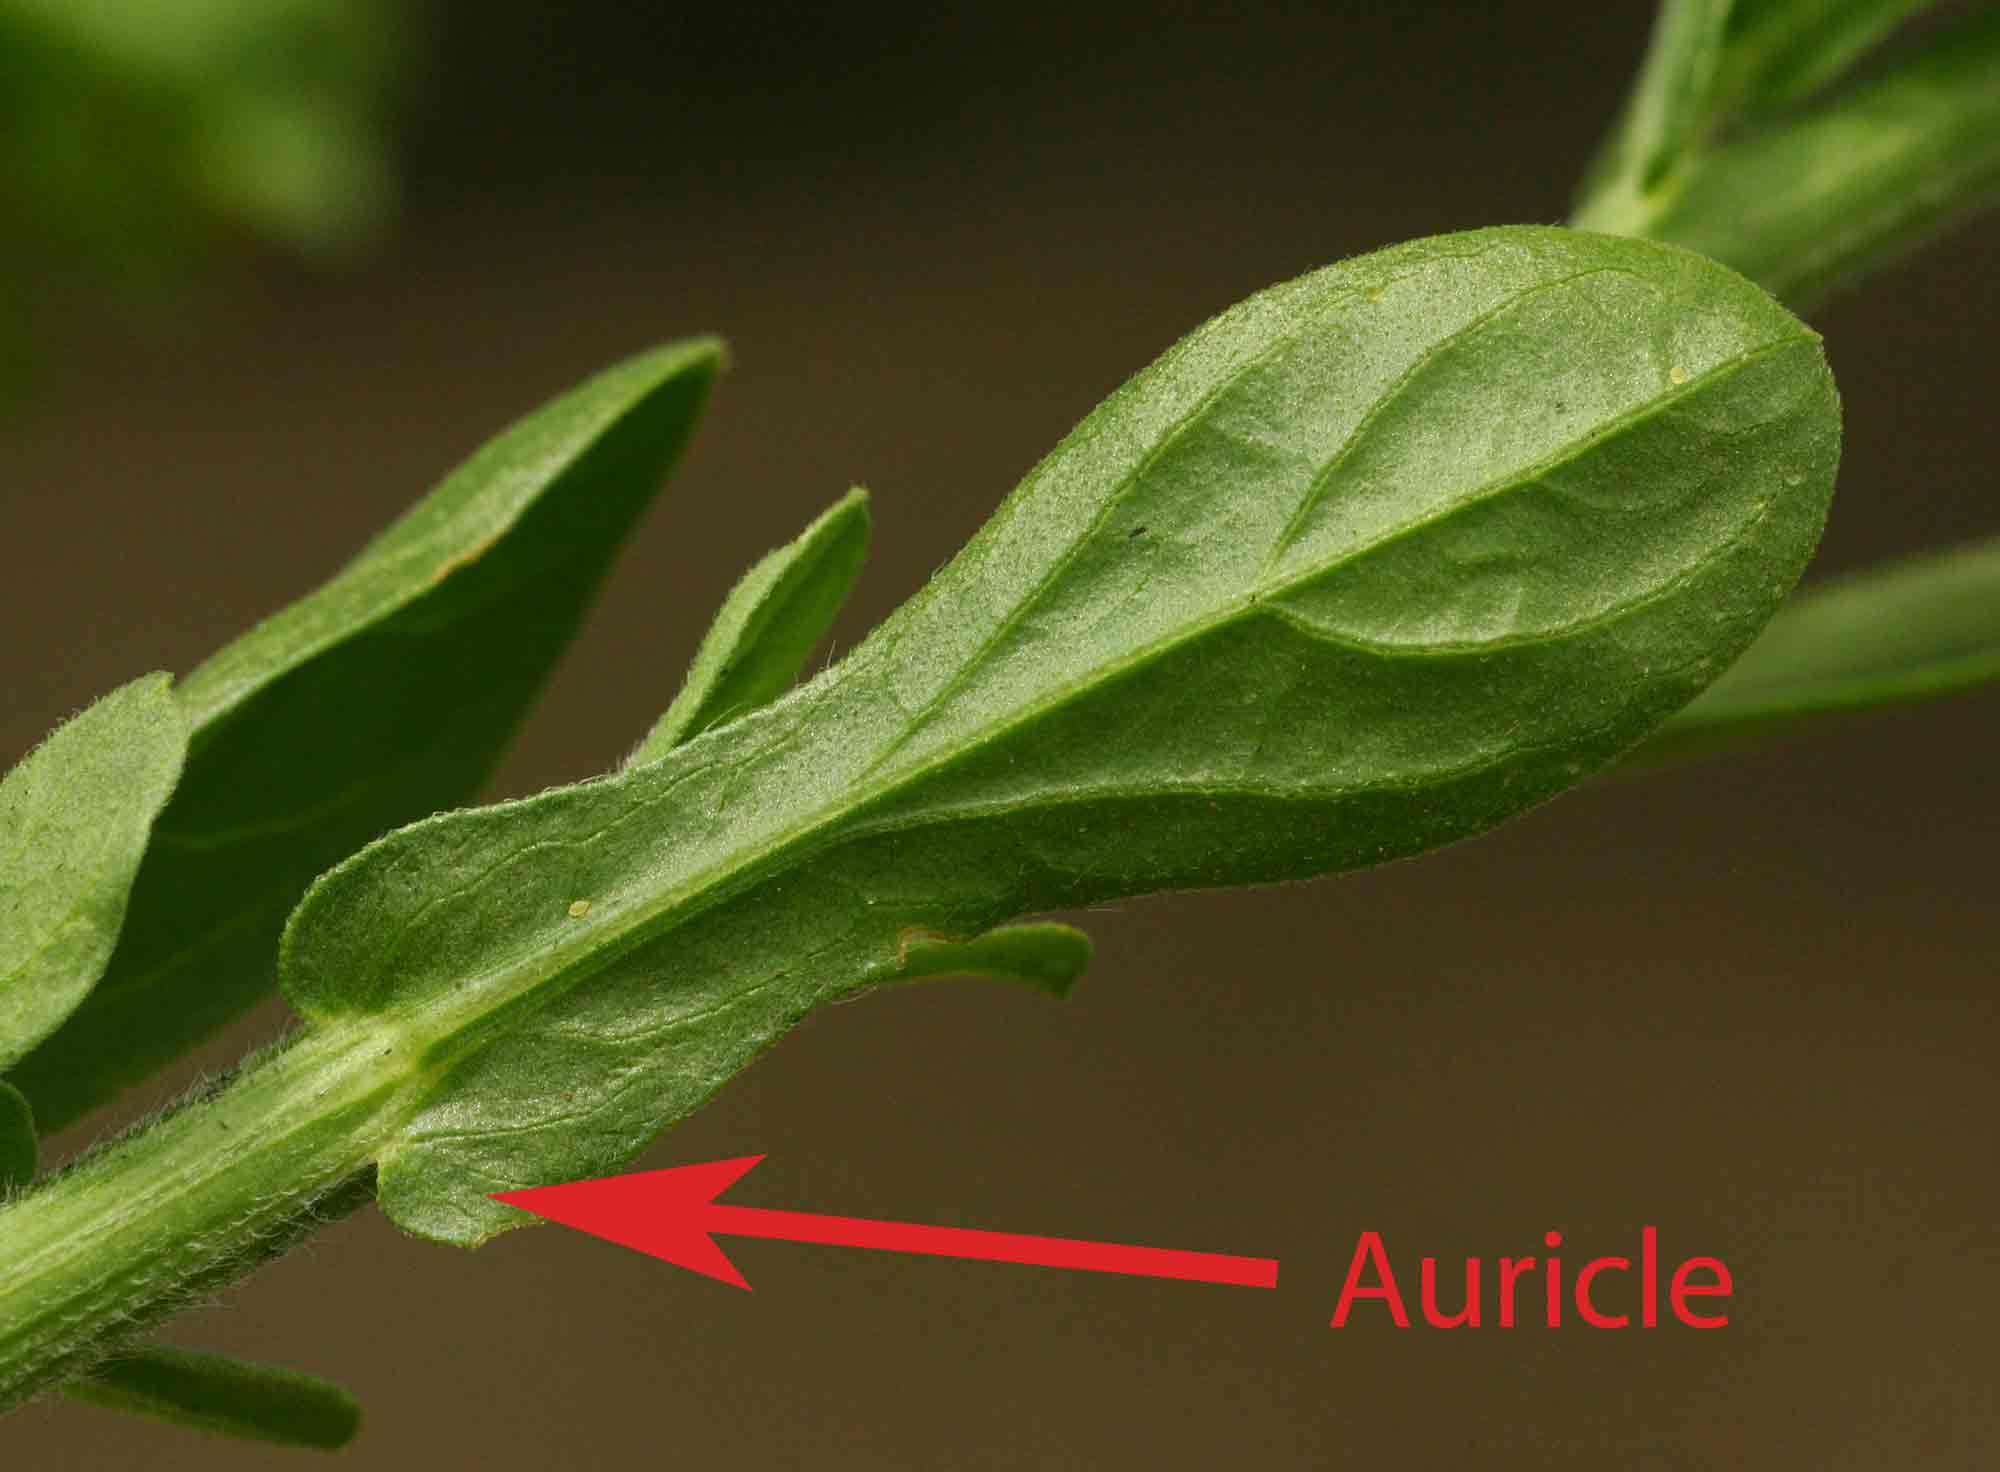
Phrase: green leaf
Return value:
(768, 626)
(1370, 563)
(387, 694)
(17, 1140)
(223, 1396)
(75, 819)
(1927, 628)
(1782, 51)
(1047, 957)
(1666, 120)
(1804, 204)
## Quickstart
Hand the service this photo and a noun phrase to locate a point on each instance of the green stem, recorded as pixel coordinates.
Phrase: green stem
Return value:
(195, 1199)
(1664, 123)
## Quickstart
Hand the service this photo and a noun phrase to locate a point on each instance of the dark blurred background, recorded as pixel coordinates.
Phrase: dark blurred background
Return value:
(1749, 1002)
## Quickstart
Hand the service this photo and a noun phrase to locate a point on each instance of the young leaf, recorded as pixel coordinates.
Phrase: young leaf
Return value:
(1808, 202)
(387, 694)
(1927, 628)
(223, 1396)
(770, 623)
(75, 819)
(1781, 51)
(1370, 563)
(17, 1140)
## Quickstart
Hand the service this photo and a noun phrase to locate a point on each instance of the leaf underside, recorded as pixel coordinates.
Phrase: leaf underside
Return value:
(75, 818)
(387, 694)
(1370, 563)
(753, 652)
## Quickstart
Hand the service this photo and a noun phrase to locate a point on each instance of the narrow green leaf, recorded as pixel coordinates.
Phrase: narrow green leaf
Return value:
(75, 819)
(1666, 120)
(1927, 628)
(1782, 51)
(768, 626)
(1046, 956)
(385, 695)
(1370, 563)
(17, 1140)
(1810, 201)
(223, 1396)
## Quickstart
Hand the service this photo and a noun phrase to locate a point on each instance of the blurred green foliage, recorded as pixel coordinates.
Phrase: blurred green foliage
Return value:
(135, 133)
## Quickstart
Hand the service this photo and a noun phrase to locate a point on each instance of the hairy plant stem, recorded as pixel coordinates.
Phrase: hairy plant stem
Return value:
(193, 1200)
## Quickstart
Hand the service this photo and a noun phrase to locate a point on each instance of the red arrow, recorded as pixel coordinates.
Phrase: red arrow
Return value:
(673, 1214)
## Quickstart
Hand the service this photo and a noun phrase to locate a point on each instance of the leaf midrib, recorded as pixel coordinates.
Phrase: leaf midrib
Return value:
(1196, 415)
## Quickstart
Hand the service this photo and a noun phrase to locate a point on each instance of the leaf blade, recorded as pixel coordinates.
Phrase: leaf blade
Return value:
(1891, 636)
(472, 514)
(388, 693)
(768, 626)
(1805, 204)
(1370, 563)
(76, 817)
(1782, 51)
(223, 1396)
